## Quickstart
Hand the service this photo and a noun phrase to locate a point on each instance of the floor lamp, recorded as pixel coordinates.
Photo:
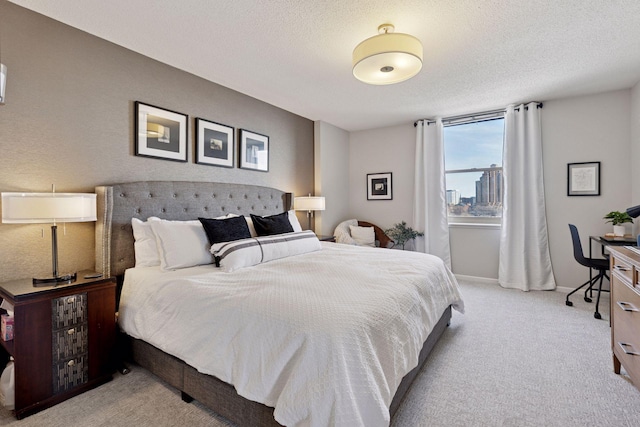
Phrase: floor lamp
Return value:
(44, 208)
(310, 204)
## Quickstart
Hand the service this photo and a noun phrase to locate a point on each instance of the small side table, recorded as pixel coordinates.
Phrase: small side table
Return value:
(63, 341)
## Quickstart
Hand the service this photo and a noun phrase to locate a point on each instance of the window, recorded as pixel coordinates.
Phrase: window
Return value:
(473, 170)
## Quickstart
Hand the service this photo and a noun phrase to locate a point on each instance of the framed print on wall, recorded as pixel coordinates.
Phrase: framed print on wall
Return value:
(160, 133)
(379, 186)
(214, 144)
(583, 179)
(254, 151)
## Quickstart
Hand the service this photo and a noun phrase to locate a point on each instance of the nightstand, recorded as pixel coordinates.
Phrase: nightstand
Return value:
(326, 238)
(63, 341)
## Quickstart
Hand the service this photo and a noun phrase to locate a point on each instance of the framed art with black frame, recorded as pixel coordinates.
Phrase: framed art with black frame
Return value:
(583, 179)
(160, 133)
(254, 151)
(215, 144)
(379, 186)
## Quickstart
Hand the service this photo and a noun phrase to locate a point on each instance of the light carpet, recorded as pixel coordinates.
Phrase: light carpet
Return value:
(514, 359)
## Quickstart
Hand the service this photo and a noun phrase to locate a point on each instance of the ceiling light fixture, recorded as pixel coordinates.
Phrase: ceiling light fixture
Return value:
(387, 58)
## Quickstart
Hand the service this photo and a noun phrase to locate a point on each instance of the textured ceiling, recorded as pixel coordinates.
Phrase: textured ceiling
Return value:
(296, 54)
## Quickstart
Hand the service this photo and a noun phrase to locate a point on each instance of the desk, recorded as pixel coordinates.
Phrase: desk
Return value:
(626, 240)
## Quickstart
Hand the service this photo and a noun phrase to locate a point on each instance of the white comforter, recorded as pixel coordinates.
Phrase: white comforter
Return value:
(325, 337)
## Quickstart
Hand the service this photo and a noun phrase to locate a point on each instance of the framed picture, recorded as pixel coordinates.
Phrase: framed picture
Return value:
(254, 151)
(583, 179)
(379, 186)
(160, 133)
(214, 144)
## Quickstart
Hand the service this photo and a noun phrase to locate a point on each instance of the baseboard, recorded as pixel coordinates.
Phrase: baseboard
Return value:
(489, 281)
(485, 280)
(565, 290)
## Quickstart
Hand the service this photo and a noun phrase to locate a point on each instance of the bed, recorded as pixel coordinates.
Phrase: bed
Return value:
(343, 387)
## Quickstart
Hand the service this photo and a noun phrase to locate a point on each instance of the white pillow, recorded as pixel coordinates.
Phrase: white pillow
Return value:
(237, 254)
(342, 232)
(364, 236)
(252, 228)
(144, 246)
(295, 224)
(181, 244)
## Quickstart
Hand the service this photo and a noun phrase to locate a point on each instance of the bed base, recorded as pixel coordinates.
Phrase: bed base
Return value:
(222, 398)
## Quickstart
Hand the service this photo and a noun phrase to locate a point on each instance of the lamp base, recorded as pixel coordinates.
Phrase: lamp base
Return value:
(48, 281)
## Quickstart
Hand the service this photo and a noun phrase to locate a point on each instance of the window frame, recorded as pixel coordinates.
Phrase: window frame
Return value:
(475, 220)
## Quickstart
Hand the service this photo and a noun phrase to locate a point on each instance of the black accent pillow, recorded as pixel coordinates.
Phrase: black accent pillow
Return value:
(225, 230)
(274, 224)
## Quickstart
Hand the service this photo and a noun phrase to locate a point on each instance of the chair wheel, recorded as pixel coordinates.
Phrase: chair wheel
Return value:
(587, 299)
(597, 315)
(569, 303)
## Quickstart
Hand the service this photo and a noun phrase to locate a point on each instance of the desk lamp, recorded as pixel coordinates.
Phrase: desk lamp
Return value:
(308, 203)
(634, 211)
(39, 208)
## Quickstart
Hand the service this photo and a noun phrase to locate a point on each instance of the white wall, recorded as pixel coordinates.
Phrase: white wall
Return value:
(588, 128)
(331, 167)
(635, 149)
(390, 149)
(584, 129)
(475, 250)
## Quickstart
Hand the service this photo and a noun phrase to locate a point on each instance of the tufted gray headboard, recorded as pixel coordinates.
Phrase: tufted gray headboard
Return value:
(173, 200)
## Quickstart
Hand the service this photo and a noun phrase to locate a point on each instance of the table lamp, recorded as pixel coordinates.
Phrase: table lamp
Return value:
(310, 204)
(39, 208)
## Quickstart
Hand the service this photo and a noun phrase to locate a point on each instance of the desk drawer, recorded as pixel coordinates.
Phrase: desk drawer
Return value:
(626, 324)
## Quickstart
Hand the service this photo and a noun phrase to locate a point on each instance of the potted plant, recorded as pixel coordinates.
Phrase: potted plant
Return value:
(617, 219)
(402, 234)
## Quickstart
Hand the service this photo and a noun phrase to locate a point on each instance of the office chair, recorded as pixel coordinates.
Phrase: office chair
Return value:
(602, 265)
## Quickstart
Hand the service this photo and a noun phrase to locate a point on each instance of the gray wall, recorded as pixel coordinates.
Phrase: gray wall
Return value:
(69, 118)
(331, 157)
(589, 128)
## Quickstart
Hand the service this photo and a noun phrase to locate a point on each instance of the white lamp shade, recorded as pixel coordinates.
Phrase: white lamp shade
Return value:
(308, 203)
(48, 207)
(387, 58)
(3, 81)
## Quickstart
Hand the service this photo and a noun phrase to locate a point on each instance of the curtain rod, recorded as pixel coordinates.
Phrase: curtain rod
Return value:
(475, 116)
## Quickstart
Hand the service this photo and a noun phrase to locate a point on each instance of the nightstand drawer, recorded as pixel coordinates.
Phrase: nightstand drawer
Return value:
(69, 310)
(70, 373)
(70, 342)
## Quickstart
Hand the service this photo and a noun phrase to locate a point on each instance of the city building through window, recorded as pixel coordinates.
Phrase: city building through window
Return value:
(473, 170)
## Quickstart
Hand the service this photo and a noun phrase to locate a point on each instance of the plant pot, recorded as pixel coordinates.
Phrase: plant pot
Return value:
(618, 230)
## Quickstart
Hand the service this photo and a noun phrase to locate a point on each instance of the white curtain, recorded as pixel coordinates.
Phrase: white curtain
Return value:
(430, 198)
(525, 262)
